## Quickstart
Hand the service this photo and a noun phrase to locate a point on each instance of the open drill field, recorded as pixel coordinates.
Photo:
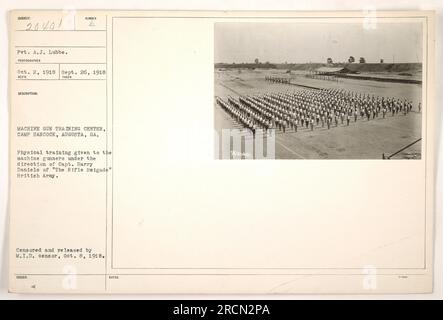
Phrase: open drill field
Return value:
(362, 139)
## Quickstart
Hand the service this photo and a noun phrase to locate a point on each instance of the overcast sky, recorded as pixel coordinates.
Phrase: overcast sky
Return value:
(315, 42)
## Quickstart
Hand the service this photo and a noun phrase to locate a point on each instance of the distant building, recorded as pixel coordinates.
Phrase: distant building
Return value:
(331, 70)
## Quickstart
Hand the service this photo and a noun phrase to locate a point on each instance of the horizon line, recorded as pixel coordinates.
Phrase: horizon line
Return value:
(313, 62)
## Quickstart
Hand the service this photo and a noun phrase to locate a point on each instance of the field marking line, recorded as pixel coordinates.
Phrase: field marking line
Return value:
(289, 149)
(223, 85)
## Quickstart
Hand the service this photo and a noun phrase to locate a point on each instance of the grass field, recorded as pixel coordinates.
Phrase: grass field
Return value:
(360, 140)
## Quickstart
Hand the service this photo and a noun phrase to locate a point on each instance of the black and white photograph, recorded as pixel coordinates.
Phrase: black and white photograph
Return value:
(318, 90)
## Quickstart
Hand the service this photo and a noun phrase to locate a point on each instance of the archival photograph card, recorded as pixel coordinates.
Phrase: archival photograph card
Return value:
(221, 152)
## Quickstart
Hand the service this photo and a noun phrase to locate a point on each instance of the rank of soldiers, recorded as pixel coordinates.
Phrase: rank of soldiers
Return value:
(278, 79)
(311, 109)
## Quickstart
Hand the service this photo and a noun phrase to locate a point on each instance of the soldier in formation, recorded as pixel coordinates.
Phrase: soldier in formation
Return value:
(310, 108)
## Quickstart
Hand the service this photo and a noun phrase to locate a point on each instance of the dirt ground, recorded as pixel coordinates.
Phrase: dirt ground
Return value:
(360, 140)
